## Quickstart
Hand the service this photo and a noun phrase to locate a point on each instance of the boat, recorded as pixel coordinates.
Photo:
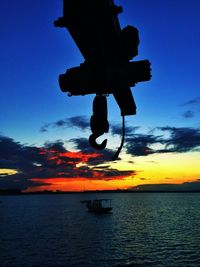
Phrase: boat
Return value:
(98, 205)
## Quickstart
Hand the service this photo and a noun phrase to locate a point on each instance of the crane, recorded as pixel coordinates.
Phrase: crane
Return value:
(107, 68)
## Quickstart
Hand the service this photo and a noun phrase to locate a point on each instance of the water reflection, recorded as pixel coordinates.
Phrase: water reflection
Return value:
(143, 230)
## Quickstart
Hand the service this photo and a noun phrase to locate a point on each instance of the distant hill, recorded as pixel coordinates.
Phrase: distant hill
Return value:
(188, 186)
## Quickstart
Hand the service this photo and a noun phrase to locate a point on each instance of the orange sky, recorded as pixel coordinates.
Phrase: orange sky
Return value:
(174, 168)
(56, 168)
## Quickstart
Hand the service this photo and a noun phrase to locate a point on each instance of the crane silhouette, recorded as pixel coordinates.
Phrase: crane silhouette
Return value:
(107, 50)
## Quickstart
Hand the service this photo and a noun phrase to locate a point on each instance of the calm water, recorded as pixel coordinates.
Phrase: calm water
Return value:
(143, 230)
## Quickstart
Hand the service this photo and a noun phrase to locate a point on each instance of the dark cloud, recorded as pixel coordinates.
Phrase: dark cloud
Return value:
(101, 167)
(35, 165)
(140, 144)
(45, 127)
(80, 122)
(4, 174)
(117, 129)
(8, 147)
(16, 156)
(83, 123)
(188, 114)
(194, 101)
(82, 144)
(179, 140)
(18, 181)
(182, 139)
(57, 146)
(104, 155)
(110, 173)
(193, 105)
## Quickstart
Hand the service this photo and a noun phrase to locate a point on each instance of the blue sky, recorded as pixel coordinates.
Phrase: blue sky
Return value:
(33, 53)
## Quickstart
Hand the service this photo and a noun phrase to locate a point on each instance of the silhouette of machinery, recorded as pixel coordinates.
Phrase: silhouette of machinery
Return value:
(107, 69)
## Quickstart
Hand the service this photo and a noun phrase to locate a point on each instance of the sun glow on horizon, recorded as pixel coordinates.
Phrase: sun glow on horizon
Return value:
(79, 184)
(154, 169)
(53, 167)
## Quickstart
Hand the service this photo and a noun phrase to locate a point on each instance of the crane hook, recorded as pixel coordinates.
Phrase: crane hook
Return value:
(94, 144)
(98, 122)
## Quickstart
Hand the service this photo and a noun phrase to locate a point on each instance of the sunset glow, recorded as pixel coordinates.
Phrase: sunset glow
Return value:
(44, 134)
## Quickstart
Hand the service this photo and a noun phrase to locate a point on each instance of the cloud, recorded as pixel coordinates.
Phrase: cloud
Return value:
(182, 139)
(137, 144)
(55, 146)
(117, 129)
(82, 144)
(35, 166)
(80, 122)
(45, 127)
(4, 174)
(188, 114)
(194, 101)
(140, 144)
(179, 140)
(83, 123)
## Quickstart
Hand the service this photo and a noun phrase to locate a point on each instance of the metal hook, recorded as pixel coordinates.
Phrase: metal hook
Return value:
(94, 144)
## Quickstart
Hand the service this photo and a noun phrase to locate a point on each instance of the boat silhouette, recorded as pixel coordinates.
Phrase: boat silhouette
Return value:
(98, 205)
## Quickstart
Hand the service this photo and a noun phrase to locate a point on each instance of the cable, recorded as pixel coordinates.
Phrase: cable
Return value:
(116, 156)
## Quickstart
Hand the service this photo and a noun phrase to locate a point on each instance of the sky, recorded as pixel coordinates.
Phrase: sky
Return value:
(44, 133)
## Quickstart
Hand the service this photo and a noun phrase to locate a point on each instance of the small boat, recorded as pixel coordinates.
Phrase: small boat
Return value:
(98, 205)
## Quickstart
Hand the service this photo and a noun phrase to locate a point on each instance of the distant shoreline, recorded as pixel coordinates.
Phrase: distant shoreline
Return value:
(18, 192)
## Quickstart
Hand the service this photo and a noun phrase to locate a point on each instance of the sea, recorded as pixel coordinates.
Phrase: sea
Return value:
(144, 229)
